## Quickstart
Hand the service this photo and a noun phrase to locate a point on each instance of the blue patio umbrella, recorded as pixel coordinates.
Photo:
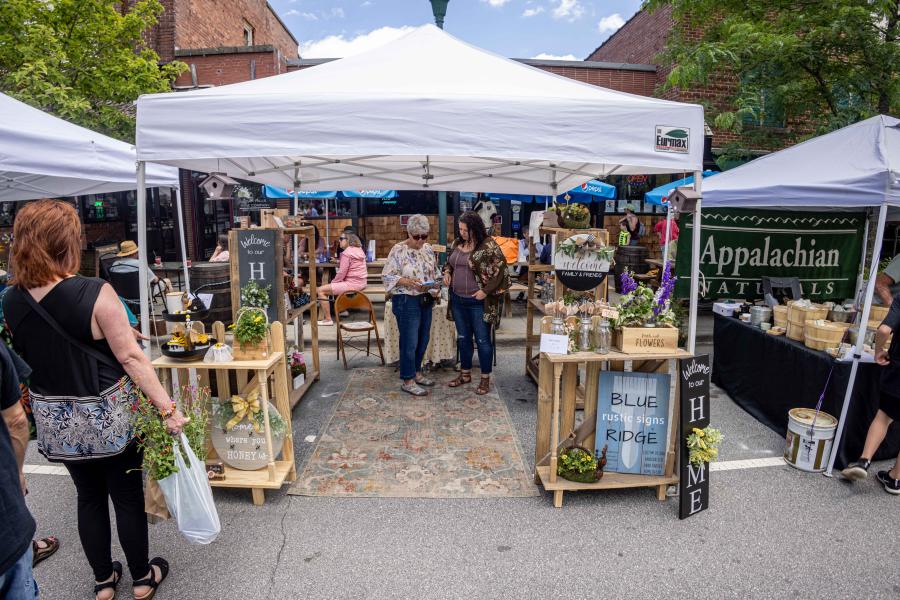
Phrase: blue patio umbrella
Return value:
(658, 194)
(591, 191)
(275, 192)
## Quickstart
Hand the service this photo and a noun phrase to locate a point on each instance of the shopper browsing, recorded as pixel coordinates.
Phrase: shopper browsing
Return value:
(889, 407)
(477, 275)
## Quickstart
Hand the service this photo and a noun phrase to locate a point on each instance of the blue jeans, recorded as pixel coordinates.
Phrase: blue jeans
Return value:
(468, 314)
(18, 582)
(414, 323)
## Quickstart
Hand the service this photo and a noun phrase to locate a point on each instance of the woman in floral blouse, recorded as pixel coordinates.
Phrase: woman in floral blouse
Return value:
(478, 276)
(409, 276)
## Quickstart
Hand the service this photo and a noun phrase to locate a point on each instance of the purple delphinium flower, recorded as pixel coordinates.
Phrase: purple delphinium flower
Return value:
(666, 287)
(627, 282)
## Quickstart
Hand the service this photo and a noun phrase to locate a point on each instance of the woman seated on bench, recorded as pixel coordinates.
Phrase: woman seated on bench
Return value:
(351, 276)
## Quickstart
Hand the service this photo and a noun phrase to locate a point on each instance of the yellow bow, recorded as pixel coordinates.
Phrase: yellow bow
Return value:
(242, 407)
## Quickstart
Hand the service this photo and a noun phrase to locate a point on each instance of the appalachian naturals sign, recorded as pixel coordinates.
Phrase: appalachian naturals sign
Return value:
(672, 139)
(738, 247)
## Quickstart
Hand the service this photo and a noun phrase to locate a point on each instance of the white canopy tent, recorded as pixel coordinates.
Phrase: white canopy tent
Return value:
(424, 112)
(42, 156)
(854, 167)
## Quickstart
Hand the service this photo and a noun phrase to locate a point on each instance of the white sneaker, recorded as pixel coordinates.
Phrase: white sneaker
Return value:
(325, 323)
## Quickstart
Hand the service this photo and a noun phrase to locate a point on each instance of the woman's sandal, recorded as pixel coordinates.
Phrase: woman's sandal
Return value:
(151, 581)
(51, 545)
(484, 386)
(461, 379)
(112, 583)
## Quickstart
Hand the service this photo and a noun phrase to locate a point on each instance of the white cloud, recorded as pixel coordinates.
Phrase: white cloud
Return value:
(496, 3)
(337, 13)
(531, 12)
(337, 46)
(366, 3)
(611, 23)
(571, 10)
(545, 56)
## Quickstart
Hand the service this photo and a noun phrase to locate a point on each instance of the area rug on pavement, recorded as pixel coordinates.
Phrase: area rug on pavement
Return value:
(382, 442)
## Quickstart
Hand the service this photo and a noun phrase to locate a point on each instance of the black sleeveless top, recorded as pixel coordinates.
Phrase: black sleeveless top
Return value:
(58, 367)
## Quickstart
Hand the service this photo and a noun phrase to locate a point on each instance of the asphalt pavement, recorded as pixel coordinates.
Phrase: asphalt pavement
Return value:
(770, 532)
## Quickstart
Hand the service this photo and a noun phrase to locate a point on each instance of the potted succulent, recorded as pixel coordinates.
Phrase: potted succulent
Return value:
(577, 463)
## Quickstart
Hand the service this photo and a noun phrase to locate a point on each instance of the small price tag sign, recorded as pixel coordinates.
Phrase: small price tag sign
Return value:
(554, 344)
(609, 313)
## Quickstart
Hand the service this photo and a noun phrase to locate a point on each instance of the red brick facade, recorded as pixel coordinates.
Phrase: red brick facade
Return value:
(221, 66)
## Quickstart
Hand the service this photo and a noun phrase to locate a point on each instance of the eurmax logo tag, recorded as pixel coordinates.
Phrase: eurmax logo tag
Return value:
(672, 139)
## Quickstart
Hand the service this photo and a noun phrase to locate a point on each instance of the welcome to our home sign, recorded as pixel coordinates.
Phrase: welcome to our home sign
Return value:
(258, 256)
(633, 421)
(738, 247)
(693, 375)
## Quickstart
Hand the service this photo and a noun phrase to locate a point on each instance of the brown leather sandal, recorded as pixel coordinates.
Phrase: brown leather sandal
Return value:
(484, 386)
(463, 378)
(51, 545)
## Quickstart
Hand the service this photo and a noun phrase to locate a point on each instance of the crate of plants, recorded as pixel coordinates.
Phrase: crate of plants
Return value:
(646, 323)
(579, 464)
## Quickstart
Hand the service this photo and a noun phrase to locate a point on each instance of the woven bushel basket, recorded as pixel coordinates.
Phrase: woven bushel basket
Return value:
(824, 336)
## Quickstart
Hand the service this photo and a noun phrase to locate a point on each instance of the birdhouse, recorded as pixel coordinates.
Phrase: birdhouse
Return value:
(684, 200)
(218, 186)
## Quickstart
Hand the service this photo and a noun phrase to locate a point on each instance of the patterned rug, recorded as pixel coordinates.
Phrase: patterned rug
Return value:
(382, 442)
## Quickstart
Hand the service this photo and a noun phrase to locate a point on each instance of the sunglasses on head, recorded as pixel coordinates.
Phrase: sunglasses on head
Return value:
(419, 238)
(342, 238)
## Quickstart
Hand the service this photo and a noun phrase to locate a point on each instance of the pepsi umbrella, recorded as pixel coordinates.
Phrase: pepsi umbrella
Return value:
(658, 194)
(590, 191)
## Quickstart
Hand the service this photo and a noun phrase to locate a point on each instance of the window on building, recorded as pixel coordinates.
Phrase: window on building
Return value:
(248, 34)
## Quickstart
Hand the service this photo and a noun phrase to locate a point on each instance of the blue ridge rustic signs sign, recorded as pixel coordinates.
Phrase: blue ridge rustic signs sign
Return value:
(633, 421)
(693, 376)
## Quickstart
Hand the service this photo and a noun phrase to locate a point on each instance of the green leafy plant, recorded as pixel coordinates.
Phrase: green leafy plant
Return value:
(255, 295)
(571, 249)
(573, 215)
(703, 445)
(580, 464)
(642, 306)
(251, 326)
(156, 441)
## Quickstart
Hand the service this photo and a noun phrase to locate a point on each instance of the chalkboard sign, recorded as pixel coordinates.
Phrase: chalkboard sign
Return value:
(633, 421)
(256, 255)
(694, 378)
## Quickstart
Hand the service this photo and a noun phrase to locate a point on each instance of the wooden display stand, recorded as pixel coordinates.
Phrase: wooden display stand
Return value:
(557, 393)
(273, 370)
(535, 307)
(284, 312)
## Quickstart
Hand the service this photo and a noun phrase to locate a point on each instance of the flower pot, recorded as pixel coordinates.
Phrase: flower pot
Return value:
(258, 351)
(579, 223)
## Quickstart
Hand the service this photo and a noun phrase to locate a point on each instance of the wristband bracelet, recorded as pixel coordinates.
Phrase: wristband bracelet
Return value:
(168, 413)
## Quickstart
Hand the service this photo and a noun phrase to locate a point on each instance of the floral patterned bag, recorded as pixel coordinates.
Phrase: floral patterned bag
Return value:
(72, 428)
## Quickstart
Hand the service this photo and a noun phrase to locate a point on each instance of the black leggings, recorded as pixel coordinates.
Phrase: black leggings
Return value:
(120, 478)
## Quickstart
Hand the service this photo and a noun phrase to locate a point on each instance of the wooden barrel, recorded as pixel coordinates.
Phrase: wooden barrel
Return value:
(633, 258)
(217, 276)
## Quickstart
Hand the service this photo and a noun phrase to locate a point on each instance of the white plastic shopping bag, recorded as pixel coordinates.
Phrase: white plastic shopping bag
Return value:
(189, 497)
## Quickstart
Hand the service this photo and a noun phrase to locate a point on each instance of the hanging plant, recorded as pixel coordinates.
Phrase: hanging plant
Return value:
(251, 326)
(253, 294)
(703, 445)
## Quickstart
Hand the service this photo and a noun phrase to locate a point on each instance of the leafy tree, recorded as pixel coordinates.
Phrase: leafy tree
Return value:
(83, 60)
(821, 63)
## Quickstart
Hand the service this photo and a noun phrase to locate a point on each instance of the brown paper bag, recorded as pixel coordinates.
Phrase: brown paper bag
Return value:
(155, 503)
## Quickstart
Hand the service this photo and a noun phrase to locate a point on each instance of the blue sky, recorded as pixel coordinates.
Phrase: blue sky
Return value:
(515, 28)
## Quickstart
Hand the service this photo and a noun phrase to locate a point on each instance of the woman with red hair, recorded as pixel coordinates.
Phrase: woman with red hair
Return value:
(86, 364)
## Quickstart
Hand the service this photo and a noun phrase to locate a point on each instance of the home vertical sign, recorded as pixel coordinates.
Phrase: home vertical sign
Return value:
(694, 379)
(256, 252)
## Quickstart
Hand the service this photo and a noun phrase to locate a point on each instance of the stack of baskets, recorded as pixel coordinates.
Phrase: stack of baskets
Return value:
(779, 316)
(821, 335)
(877, 315)
(798, 315)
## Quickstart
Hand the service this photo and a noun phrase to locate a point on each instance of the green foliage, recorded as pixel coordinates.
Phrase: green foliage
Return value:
(155, 440)
(254, 294)
(703, 445)
(570, 248)
(82, 60)
(827, 64)
(251, 326)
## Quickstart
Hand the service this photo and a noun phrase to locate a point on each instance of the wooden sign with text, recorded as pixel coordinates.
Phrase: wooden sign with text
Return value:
(693, 376)
(256, 255)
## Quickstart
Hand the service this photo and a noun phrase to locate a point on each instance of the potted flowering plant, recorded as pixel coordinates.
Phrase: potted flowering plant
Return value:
(641, 310)
(580, 464)
(298, 368)
(251, 331)
(573, 215)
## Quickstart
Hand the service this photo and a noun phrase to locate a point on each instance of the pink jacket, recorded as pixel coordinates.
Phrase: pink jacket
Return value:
(352, 268)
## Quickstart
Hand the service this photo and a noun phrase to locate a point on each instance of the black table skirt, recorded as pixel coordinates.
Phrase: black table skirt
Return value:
(768, 375)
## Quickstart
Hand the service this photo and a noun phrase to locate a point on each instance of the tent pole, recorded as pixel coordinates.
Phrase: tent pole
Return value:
(668, 230)
(860, 336)
(297, 256)
(327, 241)
(184, 256)
(143, 282)
(695, 267)
(442, 218)
(862, 261)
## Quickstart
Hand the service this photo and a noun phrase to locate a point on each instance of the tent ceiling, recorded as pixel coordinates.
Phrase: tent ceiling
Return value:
(42, 156)
(426, 111)
(854, 167)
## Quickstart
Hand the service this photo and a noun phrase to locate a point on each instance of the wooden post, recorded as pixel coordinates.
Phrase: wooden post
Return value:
(282, 396)
(592, 374)
(544, 407)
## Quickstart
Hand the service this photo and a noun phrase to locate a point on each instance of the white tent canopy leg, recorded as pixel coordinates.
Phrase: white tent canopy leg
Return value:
(184, 257)
(861, 336)
(695, 267)
(142, 250)
(668, 232)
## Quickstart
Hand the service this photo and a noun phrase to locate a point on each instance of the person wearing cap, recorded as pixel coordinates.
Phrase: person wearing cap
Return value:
(128, 262)
(631, 225)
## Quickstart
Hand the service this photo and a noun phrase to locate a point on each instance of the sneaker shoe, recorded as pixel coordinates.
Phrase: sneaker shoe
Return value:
(891, 485)
(857, 470)
(325, 323)
(425, 381)
(414, 389)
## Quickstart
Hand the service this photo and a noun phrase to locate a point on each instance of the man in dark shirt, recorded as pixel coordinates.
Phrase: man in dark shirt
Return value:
(889, 407)
(16, 524)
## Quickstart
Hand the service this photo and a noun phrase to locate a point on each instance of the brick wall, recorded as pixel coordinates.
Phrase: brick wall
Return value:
(216, 23)
(633, 82)
(639, 41)
(222, 67)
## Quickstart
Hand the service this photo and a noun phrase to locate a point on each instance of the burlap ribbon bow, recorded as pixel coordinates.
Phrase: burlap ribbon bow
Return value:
(245, 407)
